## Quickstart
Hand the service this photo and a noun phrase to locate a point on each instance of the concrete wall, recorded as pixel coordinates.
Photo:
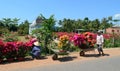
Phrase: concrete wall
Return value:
(116, 30)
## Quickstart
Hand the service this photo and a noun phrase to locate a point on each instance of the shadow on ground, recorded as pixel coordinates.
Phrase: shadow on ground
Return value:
(22, 60)
(68, 58)
(42, 57)
(94, 55)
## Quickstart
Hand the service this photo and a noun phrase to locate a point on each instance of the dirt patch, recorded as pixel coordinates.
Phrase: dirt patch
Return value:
(74, 56)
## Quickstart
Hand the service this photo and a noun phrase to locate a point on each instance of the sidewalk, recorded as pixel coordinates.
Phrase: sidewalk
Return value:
(74, 56)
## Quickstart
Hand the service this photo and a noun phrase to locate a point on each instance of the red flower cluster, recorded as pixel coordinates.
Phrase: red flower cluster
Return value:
(78, 39)
(9, 47)
(90, 38)
(65, 33)
(14, 49)
(107, 36)
(84, 40)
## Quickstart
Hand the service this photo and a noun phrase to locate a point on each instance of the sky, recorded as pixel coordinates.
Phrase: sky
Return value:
(73, 9)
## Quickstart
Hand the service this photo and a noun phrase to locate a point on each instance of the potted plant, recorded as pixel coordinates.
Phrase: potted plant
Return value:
(23, 49)
(63, 43)
(10, 51)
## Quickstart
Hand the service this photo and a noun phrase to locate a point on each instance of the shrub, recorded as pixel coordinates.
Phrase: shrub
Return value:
(10, 50)
(10, 37)
(1, 48)
(3, 30)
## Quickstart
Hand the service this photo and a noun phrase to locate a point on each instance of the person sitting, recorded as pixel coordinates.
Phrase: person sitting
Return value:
(36, 50)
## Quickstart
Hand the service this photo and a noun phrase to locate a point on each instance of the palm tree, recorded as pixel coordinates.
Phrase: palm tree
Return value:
(86, 21)
(1, 23)
(11, 25)
(96, 25)
(7, 22)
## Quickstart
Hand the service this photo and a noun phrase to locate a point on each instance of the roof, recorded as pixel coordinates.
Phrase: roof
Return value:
(116, 25)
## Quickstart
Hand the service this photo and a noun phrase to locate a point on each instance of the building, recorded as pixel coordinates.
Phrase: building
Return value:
(79, 30)
(114, 29)
(36, 24)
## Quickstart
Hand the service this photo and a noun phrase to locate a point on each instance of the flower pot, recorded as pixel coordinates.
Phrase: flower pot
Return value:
(10, 59)
(20, 58)
(1, 60)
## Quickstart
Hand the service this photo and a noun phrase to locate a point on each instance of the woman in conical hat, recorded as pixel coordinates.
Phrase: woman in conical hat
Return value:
(36, 51)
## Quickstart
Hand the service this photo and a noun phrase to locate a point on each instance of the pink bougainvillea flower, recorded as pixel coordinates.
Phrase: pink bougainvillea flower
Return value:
(33, 40)
(78, 39)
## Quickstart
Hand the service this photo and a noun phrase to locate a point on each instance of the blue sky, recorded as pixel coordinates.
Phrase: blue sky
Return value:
(73, 9)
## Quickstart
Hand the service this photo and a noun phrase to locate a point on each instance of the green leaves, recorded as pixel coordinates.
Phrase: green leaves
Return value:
(23, 28)
(69, 25)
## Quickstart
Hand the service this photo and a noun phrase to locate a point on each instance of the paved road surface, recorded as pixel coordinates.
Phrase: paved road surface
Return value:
(102, 64)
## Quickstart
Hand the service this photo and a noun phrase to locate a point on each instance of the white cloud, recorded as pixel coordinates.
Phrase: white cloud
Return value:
(117, 16)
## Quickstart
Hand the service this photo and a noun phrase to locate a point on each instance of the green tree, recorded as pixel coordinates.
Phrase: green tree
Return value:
(69, 25)
(24, 28)
(10, 24)
(1, 24)
(46, 30)
(85, 23)
(105, 23)
(95, 25)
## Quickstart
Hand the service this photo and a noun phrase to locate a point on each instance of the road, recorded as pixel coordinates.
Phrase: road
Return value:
(102, 64)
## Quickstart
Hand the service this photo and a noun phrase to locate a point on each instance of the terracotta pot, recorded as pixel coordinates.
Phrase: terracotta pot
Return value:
(20, 58)
(10, 59)
(1, 60)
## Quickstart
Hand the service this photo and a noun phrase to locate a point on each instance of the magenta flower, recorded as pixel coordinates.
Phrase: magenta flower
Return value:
(78, 39)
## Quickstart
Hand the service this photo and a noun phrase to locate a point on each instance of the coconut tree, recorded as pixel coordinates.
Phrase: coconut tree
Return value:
(10, 24)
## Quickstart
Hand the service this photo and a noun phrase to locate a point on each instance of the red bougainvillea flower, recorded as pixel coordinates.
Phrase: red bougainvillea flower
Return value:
(86, 38)
(9, 47)
(65, 33)
(107, 36)
(90, 38)
(28, 45)
(20, 45)
(78, 39)
(33, 40)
